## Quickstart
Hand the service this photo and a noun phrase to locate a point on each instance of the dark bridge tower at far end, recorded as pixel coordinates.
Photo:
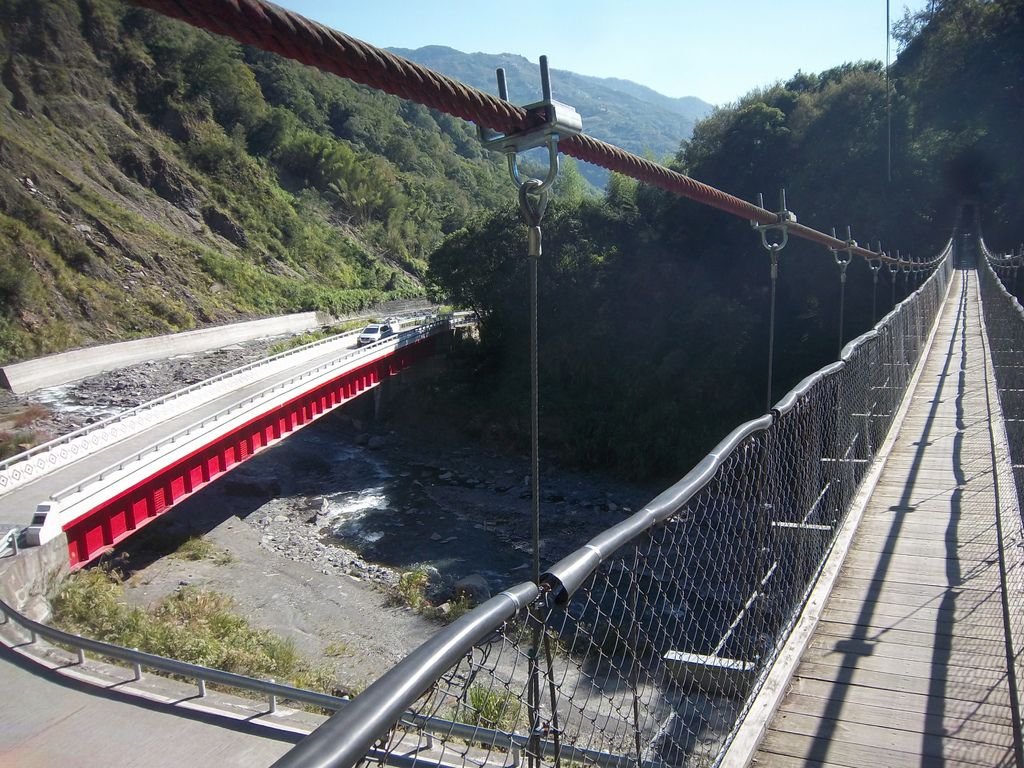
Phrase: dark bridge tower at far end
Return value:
(965, 237)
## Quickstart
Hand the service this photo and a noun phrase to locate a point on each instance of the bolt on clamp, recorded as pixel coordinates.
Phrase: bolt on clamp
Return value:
(549, 120)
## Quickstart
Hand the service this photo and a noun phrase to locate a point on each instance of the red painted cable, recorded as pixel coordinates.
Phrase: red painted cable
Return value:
(271, 28)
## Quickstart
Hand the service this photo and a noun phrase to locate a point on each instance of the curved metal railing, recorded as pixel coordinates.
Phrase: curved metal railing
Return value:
(141, 660)
(616, 657)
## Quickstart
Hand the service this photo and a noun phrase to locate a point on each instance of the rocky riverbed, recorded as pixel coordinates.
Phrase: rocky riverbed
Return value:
(313, 534)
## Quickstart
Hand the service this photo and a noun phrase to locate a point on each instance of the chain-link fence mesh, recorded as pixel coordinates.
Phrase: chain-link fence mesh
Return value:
(1004, 321)
(645, 646)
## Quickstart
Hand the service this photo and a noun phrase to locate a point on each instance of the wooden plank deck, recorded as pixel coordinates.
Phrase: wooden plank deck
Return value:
(909, 664)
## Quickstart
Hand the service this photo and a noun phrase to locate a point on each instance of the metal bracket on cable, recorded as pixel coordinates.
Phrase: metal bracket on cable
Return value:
(876, 264)
(906, 266)
(785, 218)
(841, 262)
(893, 268)
(549, 119)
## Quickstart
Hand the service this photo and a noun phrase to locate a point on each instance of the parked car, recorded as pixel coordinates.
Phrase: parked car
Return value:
(374, 332)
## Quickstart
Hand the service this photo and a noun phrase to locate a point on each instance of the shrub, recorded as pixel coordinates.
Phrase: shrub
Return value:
(488, 708)
(411, 590)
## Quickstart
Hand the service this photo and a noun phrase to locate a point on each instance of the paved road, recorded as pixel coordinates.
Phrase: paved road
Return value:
(52, 721)
(18, 505)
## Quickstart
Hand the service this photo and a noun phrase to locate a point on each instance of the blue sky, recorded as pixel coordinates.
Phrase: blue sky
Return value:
(717, 50)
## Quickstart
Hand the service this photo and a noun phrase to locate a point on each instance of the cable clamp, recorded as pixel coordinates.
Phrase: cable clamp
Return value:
(894, 266)
(843, 254)
(784, 218)
(549, 121)
(876, 264)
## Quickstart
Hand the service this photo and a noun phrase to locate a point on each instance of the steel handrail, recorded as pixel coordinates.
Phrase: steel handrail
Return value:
(172, 666)
(569, 573)
(999, 260)
(274, 690)
(348, 736)
(1013, 301)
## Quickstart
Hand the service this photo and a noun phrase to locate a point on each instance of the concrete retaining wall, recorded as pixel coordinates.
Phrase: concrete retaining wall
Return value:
(29, 578)
(54, 370)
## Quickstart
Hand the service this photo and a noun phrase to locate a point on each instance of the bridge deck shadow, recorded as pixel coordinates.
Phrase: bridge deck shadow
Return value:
(909, 663)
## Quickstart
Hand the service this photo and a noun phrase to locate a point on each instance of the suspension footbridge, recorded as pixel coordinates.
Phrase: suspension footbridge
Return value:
(913, 659)
(837, 583)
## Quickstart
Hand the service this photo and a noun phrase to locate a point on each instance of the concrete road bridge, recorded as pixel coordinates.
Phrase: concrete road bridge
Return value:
(99, 484)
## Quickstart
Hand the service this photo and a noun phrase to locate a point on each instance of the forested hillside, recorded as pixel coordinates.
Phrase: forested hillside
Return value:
(154, 177)
(654, 311)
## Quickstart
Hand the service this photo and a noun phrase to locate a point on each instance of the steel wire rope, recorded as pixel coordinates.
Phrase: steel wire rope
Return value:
(774, 255)
(892, 281)
(874, 266)
(843, 262)
(888, 96)
(277, 30)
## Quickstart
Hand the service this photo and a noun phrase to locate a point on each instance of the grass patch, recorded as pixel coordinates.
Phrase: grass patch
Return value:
(411, 592)
(337, 648)
(460, 606)
(192, 625)
(198, 548)
(31, 413)
(488, 708)
(14, 442)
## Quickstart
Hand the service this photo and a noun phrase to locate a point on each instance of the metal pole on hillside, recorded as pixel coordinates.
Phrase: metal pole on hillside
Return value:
(888, 98)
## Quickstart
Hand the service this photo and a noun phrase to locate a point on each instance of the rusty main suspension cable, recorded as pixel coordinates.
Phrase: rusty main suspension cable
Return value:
(277, 30)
